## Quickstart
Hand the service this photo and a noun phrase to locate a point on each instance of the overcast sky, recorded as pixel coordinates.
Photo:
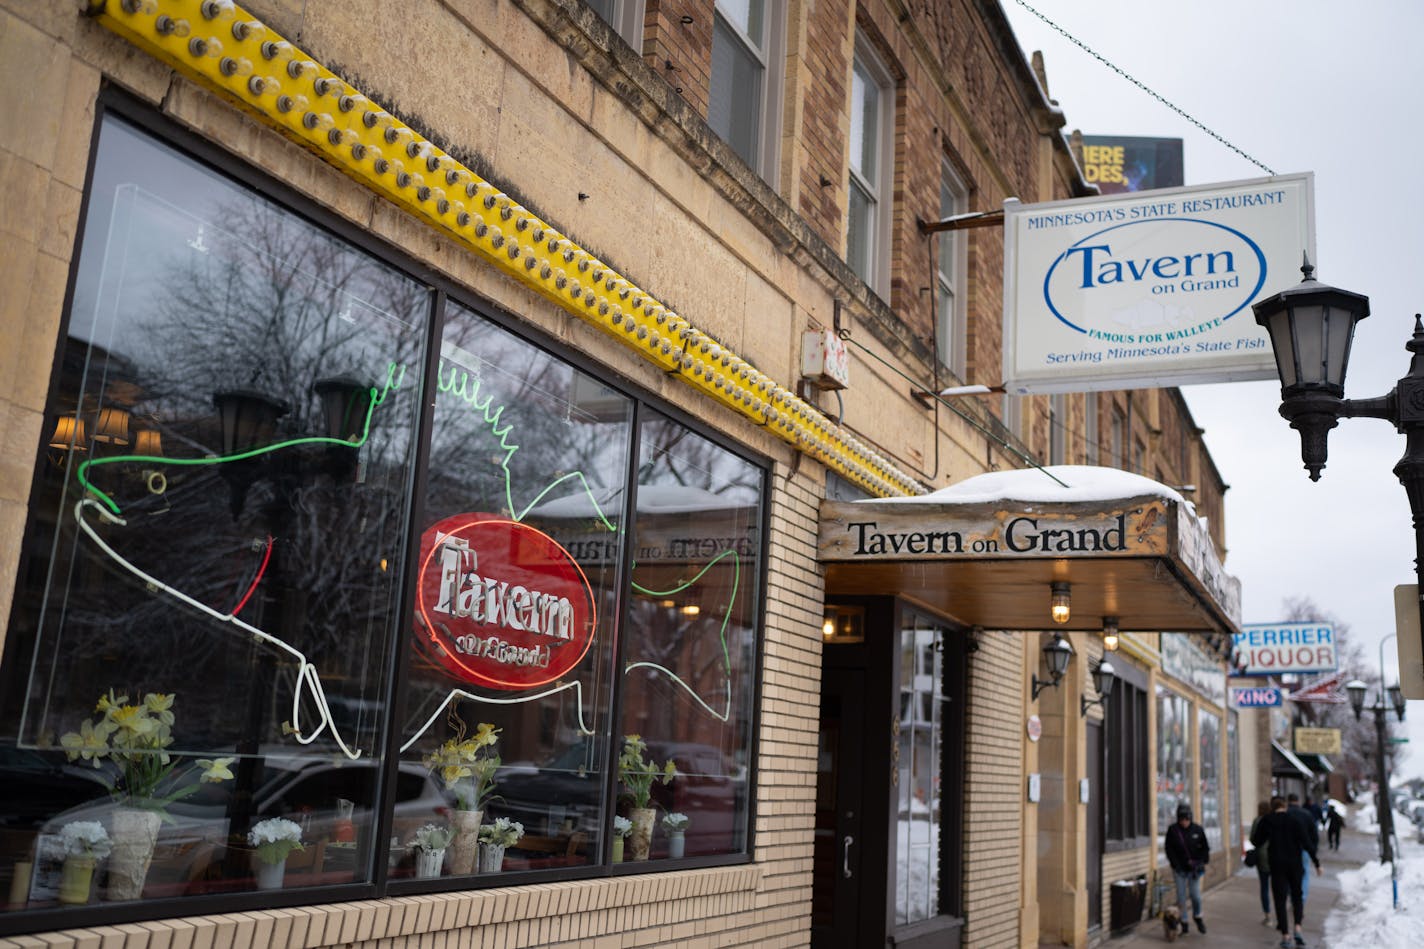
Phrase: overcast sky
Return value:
(1326, 87)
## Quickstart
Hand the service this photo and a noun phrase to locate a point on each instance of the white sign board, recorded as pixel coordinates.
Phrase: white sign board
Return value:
(1150, 288)
(1278, 648)
(1411, 650)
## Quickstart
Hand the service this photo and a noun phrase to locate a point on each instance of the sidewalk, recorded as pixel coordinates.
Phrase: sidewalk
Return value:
(1232, 910)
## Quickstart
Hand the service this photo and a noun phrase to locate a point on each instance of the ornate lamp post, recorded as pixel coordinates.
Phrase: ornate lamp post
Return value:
(1311, 326)
(1356, 690)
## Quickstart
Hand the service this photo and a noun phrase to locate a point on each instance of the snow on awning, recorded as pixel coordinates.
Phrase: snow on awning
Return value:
(985, 551)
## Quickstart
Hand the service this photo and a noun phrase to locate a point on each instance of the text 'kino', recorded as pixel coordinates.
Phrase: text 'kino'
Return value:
(465, 593)
(1022, 535)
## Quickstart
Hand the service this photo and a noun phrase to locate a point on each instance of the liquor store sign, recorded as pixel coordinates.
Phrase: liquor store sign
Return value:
(1276, 648)
(501, 604)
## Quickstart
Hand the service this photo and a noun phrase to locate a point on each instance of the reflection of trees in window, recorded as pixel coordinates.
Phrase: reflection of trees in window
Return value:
(267, 305)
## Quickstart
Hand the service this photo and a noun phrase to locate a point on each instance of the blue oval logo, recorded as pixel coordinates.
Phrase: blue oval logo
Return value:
(1171, 280)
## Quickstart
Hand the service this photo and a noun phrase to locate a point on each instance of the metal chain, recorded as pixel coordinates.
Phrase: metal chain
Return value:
(1093, 53)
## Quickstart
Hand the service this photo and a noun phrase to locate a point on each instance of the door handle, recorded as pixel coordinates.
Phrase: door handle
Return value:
(845, 863)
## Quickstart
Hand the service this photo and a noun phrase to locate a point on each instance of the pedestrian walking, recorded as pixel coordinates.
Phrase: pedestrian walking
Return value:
(1337, 823)
(1188, 853)
(1285, 836)
(1262, 861)
(1312, 830)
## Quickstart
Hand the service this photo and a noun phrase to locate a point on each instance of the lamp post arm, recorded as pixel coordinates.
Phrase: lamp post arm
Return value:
(1382, 407)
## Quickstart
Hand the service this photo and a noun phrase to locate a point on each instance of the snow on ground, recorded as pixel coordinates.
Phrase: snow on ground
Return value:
(1365, 914)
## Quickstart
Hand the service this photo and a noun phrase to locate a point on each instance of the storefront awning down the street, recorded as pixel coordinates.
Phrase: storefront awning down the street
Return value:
(985, 552)
(1284, 764)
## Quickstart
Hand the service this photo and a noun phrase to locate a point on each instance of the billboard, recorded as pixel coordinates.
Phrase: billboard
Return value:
(1118, 163)
(1278, 648)
(1152, 288)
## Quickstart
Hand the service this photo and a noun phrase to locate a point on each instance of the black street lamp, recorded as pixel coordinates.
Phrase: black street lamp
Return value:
(1311, 326)
(1356, 689)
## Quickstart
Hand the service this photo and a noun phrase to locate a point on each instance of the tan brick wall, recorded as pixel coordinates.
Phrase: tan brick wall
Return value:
(681, 51)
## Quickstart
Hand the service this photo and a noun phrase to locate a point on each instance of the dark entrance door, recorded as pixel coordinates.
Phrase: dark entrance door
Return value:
(840, 840)
(1094, 817)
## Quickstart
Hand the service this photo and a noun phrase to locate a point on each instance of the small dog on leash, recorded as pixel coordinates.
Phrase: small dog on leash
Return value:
(1171, 923)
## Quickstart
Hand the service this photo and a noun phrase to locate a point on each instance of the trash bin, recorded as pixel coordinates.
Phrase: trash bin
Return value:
(1125, 903)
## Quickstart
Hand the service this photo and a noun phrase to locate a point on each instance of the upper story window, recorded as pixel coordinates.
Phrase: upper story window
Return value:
(1057, 428)
(744, 89)
(951, 309)
(625, 16)
(872, 123)
(1090, 428)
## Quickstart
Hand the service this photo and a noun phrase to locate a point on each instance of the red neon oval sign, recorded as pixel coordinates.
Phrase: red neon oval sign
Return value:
(501, 604)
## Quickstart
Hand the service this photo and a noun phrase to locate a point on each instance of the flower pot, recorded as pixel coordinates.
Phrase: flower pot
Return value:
(75, 879)
(617, 849)
(466, 844)
(676, 844)
(427, 863)
(641, 836)
(134, 832)
(491, 858)
(269, 875)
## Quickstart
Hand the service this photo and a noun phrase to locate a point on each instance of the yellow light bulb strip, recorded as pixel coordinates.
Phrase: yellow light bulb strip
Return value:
(221, 46)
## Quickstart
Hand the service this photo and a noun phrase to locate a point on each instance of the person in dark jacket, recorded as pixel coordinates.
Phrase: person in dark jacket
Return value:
(1312, 830)
(1337, 821)
(1188, 853)
(1263, 861)
(1289, 845)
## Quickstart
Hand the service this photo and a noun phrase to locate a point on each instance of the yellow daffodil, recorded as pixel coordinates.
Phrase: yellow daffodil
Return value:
(215, 769)
(132, 719)
(88, 743)
(452, 773)
(160, 706)
(485, 735)
(109, 701)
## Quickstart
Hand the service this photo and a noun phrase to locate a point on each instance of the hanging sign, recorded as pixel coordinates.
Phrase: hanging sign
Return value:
(1255, 697)
(1149, 288)
(1276, 648)
(1317, 741)
(501, 604)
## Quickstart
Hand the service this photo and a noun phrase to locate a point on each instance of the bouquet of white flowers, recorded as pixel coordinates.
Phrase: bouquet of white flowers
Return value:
(622, 826)
(676, 821)
(275, 838)
(502, 833)
(431, 838)
(85, 838)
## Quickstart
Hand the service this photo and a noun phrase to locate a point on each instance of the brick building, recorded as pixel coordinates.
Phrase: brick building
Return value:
(408, 414)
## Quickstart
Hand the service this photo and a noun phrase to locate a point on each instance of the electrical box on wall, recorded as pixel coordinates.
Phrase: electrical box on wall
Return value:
(825, 363)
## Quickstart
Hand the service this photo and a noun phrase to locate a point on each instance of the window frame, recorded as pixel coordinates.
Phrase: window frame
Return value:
(1128, 750)
(770, 56)
(951, 283)
(626, 18)
(443, 293)
(880, 192)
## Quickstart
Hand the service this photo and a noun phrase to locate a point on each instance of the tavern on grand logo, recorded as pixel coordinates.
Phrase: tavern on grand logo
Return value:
(1154, 281)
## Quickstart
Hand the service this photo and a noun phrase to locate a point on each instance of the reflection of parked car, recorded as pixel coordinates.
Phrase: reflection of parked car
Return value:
(200, 843)
(708, 789)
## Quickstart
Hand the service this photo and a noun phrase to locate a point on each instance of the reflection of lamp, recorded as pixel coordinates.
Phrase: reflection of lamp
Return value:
(68, 434)
(113, 426)
(1104, 678)
(1057, 652)
(1060, 602)
(249, 419)
(345, 403)
(843, 624)
(148, 441)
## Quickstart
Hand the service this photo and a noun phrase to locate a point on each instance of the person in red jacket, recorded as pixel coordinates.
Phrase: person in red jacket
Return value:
(1188, 853)
(1289, 844)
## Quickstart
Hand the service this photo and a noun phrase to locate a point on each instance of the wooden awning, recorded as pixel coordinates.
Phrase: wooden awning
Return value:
(1145, 559)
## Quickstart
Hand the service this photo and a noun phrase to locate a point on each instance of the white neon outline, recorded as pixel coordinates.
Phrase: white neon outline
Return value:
(307, 676)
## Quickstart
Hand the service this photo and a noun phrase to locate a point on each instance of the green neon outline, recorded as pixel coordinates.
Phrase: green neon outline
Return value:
(377, 398)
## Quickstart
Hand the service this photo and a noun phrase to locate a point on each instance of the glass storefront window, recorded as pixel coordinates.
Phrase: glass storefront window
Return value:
(255, 522)
(1174, 756)
(917, 849)
(1209, 740)
(203, 624)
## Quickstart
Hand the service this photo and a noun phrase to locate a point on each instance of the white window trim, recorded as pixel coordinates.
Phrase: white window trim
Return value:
(882, 190)
(951, 339)
(772, 56)
(627, 22)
